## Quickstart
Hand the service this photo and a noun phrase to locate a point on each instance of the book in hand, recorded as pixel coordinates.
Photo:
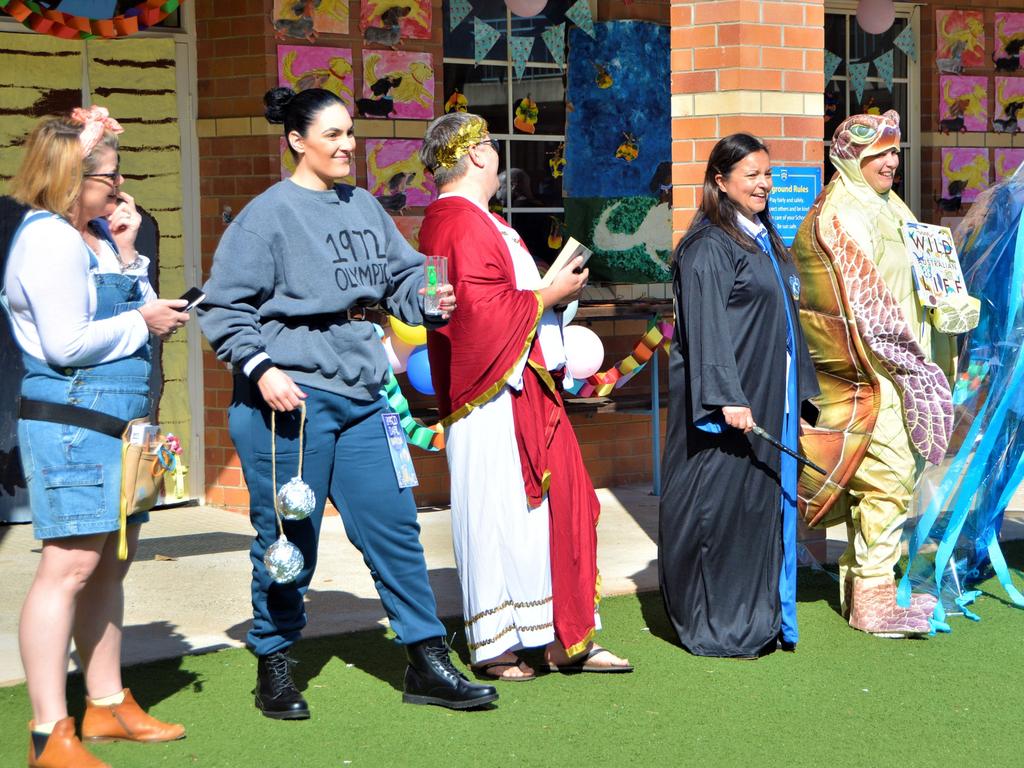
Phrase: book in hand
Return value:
(570, 251)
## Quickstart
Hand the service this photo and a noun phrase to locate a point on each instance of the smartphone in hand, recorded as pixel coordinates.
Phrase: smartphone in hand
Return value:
(194, 297)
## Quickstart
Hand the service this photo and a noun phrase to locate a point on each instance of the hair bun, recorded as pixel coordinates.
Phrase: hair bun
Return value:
(276, 101)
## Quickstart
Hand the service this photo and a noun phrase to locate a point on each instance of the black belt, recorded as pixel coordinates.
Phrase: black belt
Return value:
(38, 410)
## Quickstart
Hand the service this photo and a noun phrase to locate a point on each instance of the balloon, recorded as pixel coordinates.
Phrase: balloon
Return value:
(418, 371)
(584, 351)
(415, 335)
(402, 352)
(392, 357)
(570, 312)
(526, 7)
(875, 16)
(398, 353)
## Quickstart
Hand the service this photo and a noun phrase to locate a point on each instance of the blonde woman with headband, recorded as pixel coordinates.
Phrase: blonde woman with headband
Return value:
(85, 341)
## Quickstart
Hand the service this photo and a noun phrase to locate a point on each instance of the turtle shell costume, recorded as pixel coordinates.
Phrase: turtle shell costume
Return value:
(883, 370)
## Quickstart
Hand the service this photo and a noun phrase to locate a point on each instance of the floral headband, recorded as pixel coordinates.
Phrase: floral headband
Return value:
(95, 121)
(469, 135)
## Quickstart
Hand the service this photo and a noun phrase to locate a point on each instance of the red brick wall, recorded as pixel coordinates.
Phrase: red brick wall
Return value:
(743, 65)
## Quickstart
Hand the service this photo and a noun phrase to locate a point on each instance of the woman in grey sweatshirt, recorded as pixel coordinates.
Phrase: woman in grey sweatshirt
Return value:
(283, 308)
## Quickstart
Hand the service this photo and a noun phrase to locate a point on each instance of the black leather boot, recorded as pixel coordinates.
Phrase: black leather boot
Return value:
(276, 694)
(431, 678)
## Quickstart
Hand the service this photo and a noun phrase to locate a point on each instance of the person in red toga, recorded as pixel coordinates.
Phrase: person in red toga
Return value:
(524, 511)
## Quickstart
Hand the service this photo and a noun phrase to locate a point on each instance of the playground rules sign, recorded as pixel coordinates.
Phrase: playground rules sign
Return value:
(794, 190)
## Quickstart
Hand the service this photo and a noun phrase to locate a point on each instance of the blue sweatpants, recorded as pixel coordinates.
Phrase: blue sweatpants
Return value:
(346, 458)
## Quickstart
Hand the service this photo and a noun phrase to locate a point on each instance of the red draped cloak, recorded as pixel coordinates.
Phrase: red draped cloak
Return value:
(472, 358)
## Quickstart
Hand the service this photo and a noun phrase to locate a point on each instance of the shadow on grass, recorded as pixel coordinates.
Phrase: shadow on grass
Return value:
(150, 683)
(374, 651)
(813, 586)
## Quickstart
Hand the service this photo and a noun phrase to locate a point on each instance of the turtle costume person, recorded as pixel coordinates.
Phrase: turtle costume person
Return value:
(883, 369)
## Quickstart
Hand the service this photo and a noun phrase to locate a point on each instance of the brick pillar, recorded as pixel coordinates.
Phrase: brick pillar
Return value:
(743, 65)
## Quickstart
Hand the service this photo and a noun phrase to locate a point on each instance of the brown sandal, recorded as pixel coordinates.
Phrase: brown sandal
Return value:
(484, 671)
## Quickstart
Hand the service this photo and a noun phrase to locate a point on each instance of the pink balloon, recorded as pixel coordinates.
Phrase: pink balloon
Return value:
(398, 352)
(526, 7)
(875, 16)
(584, 351)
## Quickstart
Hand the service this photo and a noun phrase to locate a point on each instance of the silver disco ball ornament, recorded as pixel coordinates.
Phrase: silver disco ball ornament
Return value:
(296, 500)
(283, 560)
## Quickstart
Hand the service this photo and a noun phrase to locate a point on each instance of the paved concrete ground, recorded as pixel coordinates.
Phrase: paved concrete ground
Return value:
(188, 591)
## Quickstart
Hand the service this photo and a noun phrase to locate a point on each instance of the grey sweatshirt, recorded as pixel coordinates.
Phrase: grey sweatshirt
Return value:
(286, 270)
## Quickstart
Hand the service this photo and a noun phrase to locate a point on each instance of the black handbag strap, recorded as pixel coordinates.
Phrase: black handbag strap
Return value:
(37, 410)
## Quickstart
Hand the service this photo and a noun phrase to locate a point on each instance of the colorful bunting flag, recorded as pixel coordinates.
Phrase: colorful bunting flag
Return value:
(554, 39)
(457, 11)
(519, 49)
(905, 42)
(883, 66)
(484, 38)
(832, 63)
(858, 77)
(580, 15)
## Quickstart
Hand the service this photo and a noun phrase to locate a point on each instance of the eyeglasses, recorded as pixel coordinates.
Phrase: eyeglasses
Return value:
(495, 144)
(114, 175)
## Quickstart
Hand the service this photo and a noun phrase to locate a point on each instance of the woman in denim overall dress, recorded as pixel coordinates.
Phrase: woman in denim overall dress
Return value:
(83, 323)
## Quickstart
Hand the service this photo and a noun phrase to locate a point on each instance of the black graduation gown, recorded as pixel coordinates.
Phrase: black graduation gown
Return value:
(720, 528)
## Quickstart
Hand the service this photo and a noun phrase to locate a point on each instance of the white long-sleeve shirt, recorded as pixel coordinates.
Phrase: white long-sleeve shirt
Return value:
(52, 298)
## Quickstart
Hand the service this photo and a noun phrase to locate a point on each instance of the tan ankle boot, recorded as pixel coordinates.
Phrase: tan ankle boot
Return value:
(126, 722)
(63, 749)
(874, 610)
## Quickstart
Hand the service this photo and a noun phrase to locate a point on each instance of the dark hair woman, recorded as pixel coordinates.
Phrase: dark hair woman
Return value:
(285, 307)
(82, 312)
(728, 508)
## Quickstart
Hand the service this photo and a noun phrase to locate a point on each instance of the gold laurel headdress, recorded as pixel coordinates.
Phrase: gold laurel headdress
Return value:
(469, 135)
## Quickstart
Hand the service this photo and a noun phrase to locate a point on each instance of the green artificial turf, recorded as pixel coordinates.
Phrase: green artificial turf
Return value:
(844, 699)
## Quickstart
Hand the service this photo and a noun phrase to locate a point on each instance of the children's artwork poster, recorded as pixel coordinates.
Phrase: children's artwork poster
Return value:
(395, 175)
(960, 35)
(1008, 115)
(965, 172)
(618, 161)
(411, 17)
(963, 103)
(1008, 47)
(409, 226)
(288, 164)
(397, 84)
(933, 262)
(304, 66)
(307, 19)
(1007, 161)
(615, 152)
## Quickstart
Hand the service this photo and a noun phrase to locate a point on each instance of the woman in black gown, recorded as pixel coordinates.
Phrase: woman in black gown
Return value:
(737, 359)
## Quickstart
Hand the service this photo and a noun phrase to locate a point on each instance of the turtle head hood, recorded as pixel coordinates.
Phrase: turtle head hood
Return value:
(861, 136)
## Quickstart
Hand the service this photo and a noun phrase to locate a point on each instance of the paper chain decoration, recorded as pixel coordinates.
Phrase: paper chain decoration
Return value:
(420, 435)
(658, 334)
(70, 27)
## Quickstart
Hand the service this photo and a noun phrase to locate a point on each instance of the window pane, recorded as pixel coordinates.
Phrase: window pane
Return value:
(459, 42)
(484, 88)
(546, 87)
(835, 38)
(835, 107)
(534, 229)
(533, 182)
(877, 99)
(534, 26)
(868, 47)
